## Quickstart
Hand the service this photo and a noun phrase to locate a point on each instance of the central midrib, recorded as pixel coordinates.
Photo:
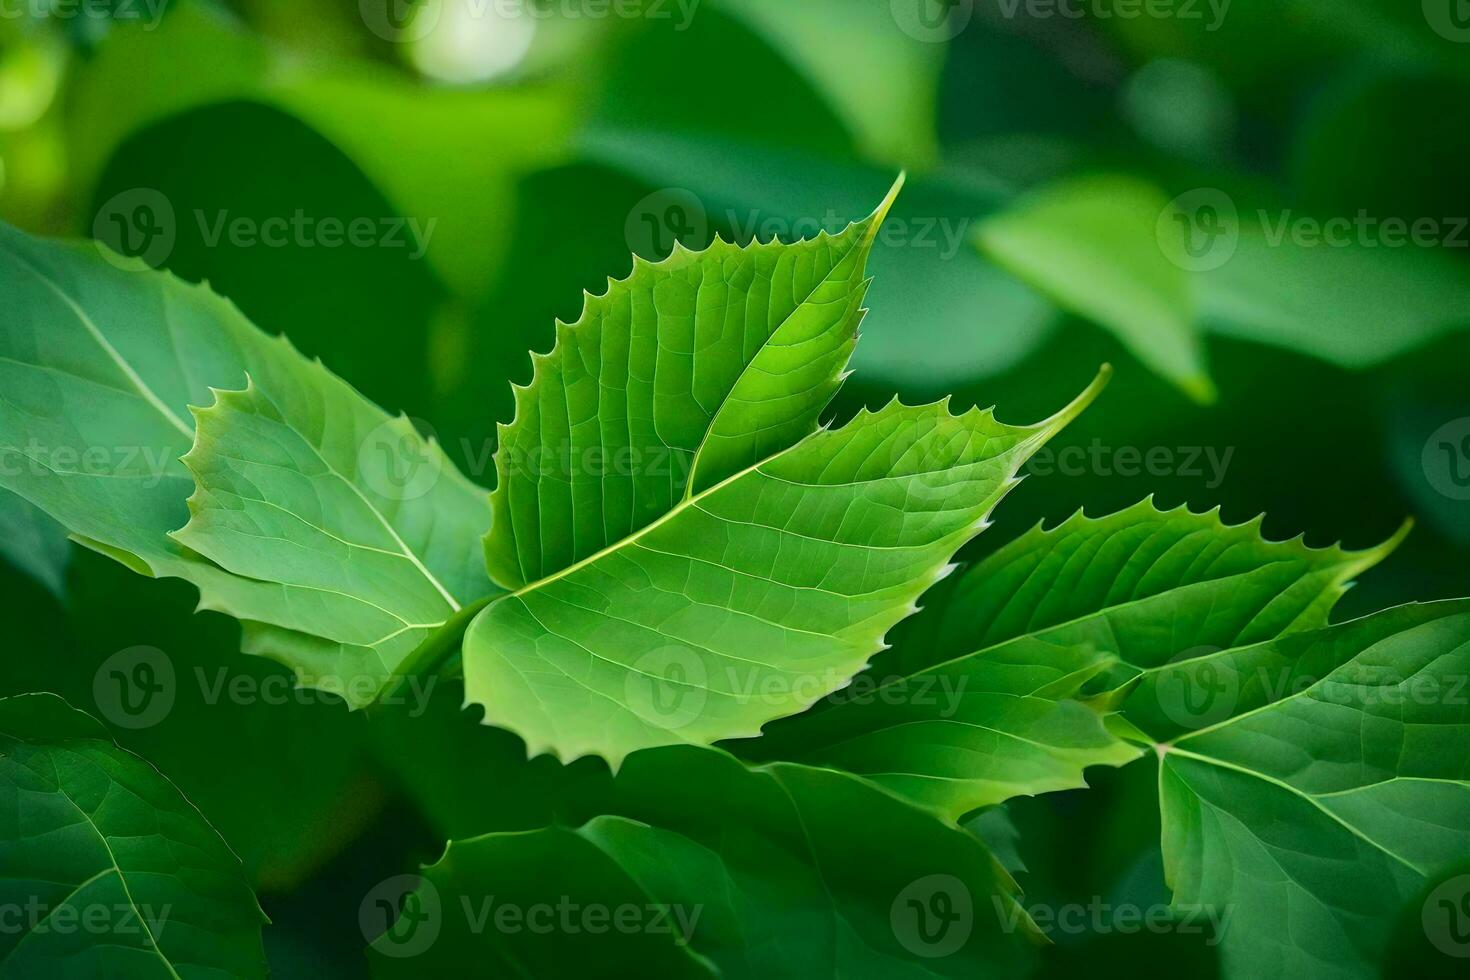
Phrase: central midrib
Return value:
(663, 519)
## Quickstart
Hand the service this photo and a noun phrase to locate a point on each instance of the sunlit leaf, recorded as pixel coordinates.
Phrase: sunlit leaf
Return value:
(103, 359)
(738, 565)
(975, 704)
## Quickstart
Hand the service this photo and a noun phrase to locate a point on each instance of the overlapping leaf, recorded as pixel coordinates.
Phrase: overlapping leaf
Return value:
(759, 569)
(694, 559)
(702, 867)
(311, 487)
(1335, 791)
(108, 869)
(100, 360)
(690, 370)
(1315, 778)
(753, 599)
(974, 704)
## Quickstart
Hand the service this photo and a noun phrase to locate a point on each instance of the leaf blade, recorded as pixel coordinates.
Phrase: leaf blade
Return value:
(117, 835)
(752, 599)
(1350, 777)
(102, 359)
(632, 399)
(978, 701)
(765, 868)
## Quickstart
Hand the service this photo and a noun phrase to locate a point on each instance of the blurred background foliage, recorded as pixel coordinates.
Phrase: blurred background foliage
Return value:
(1104, 187)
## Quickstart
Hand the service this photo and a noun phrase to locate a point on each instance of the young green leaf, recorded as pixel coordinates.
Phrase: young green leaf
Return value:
(1335, 790)
(679, 376)
(723, 870)
(697, 559)
(1127, 574)
(113, 872)
(752, 599)
(973, 705)
(101, 359)
(310, 487)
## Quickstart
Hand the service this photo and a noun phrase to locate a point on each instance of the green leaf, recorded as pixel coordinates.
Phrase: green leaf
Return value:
(33, 542)
(311, 488)
(995, 725)
(101, 359)
(694, 560)
(1113, 249)
(750, 600)
(764, 871)
(997, 828)
(179, 695)
(90, 833)
(1091, 244)
(975, 703)
(638, 119)
(1121, 575)
(1335, 792)
(942, 315)
(1355, 305)
(535, 874)
(955, 322)
(677, 377)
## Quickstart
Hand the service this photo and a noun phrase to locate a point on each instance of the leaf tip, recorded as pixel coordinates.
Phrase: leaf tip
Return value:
(1363, 560)
(1200, 389)
(880, 213)
(1078, 405)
